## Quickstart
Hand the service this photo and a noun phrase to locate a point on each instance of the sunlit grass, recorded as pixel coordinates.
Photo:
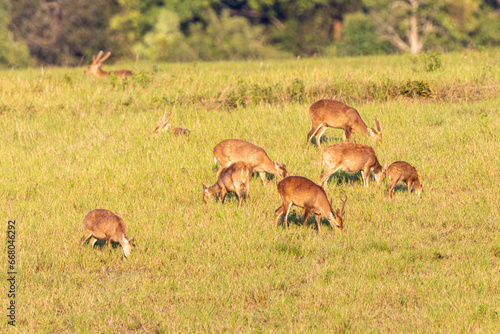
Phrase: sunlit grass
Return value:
(72, 143)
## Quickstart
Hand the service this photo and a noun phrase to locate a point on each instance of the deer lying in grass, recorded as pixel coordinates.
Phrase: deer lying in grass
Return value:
(403, 171)
(104, 224)
(97, 62)
(352, 157)
(164, 125)
(306, 194)
(230, 151)
(338, 115)
(230, 179)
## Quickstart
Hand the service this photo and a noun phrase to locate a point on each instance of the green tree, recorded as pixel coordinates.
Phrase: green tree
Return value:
(11, 53)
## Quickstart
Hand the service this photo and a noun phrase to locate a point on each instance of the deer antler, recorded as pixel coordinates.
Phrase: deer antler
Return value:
(378, 125)
(99, 55)
(162, 123)
(105, 57)
(343, 204)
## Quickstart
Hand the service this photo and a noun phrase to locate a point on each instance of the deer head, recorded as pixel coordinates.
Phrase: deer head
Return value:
(338, 217)
(97, 63)
(164, 124)
(375, 134)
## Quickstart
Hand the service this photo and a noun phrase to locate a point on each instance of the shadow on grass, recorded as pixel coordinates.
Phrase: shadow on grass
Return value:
(298, 219)
(340, 177)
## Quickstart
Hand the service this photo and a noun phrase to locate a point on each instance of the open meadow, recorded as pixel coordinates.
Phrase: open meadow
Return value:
(71, 143)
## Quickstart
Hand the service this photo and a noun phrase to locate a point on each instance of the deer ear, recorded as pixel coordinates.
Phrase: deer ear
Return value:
(422, 184)
(131, 240)
(385, 166)
(204, 187)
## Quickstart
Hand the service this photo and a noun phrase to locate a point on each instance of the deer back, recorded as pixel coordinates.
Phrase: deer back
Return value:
(336, 114)
(232, 150)
(104, 223)
(305, 193)
(351, 156)
(235, 175)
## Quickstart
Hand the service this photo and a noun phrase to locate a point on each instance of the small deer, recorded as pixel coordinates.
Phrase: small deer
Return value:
(230, 151)
(230, 179)
(104, 224)
(181, 132)
(351, 157)
(338, 115)
(308, 195)
(97, 62)
(403, 171)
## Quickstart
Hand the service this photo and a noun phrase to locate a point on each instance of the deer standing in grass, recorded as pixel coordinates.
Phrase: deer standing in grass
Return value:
(403, 171)
(231, 179)
(104, 224)
(230, 151)
(338, 115)
(351, 157)
(97, 62)
(306, 194)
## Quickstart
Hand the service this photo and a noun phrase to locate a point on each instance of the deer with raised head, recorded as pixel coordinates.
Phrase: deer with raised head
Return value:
(231, 179)
(164, 125)
(104, 224)
(306, 194)
(351, 157)
(97, 62)
(403, 171)
(335, 114)
(230, 151)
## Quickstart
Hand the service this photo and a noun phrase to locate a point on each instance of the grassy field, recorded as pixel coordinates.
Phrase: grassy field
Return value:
(71, 143)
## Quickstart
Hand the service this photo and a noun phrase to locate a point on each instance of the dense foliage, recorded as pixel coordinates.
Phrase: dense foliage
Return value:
(64, 32)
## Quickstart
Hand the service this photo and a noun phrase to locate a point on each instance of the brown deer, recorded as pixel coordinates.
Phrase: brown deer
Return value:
(97, 62)
(230, 151)
(181, 132)
(308, 195)
(338, 115)
(104, 224)
(230, 179)
(352, 157)
(403, 171)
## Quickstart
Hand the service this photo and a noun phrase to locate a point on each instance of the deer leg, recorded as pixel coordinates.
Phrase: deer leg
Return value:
(319, 134)
(410, 185)
(263, 177)
(92, 240)
(222, 195)
(277, 214)
(240, 197)
(314, 130)
(347, 134)
(86, 235)
(287, 210)
(318, 221)
(247, 189)
(391, 188)
(307, 213)
(365, 173)
(108, 239)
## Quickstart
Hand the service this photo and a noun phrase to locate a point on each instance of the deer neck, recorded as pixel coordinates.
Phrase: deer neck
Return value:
(101, 73)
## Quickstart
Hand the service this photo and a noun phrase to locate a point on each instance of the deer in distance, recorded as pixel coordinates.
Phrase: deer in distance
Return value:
(97, 62)
(164, 125)
(105, 224)
(403, 171)
(306, 194)
(334, 114)
(230, 151)
(231, 179)
(351, 157)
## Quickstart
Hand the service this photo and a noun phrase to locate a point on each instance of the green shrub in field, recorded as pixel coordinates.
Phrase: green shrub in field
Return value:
(427, 61)
(415, 89)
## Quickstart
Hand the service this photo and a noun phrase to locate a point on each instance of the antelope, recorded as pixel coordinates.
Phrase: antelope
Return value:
(308, 195)
(230, 179)
(352, 157)
(97, 62)
(230, 151)
(403, 171)
(104, 224)
(338, 115)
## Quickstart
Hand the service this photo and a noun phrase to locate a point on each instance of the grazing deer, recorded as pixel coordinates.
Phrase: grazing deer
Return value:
(97, 62)
(104, 224)
(230, 151)
(308, 195)
(230, 179)
(352, 157)
(338, 115)
(403, 171)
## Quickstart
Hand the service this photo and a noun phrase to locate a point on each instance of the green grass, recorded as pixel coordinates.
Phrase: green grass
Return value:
(72, 143)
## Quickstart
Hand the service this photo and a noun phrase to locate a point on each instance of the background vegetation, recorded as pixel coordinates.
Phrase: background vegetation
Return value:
(72, 143)
(69, 32)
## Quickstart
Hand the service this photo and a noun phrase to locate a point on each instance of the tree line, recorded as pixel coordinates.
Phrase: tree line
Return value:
(66, 32)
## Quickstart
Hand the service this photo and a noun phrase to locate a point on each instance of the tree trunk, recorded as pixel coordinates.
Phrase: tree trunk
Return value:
(337, 29)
